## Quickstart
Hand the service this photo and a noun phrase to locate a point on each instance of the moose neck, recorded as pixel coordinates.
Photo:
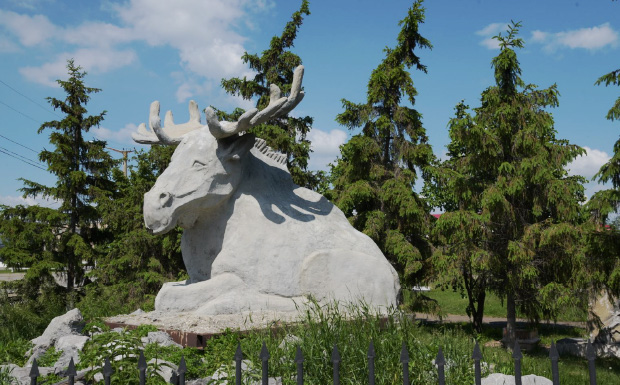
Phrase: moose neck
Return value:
(203, 241)
(263, 181)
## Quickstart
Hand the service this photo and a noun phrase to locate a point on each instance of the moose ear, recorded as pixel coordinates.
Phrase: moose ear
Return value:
(235, 147)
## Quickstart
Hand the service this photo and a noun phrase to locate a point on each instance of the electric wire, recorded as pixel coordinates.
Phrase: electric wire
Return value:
(21, 156)
(19, 144)
(22, 160)
(42, 107)
(19, 112)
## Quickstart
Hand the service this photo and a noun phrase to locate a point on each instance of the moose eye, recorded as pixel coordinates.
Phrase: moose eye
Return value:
(198, 163)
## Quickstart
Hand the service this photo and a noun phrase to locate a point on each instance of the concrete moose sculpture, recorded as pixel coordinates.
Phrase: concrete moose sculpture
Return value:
(253, 240)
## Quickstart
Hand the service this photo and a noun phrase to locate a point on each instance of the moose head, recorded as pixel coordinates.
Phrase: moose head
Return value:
(206, 167)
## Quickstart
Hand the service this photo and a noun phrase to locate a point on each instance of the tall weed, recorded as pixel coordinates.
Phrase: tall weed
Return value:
(27, 316)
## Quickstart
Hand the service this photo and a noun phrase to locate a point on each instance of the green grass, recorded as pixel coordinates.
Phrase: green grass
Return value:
(451, 302)
(327, 326)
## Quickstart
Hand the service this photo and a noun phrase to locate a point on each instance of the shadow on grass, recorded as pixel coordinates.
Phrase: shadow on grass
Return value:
(493, 331)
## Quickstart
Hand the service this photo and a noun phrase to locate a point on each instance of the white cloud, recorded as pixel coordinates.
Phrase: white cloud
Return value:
(203, 32)
(12, 200)
(186, 90)
(29, 4)
(539, 36)
(490, 43)
(589, 164)
(325, 147)
(492, 29)
(6, 45)
(30, 30)
(489, 31)
(97, 34)
(121, 136)
(592, 187)
(48, 72)
(190, 86)
(592, 39)
(94, 60)
(238, 101)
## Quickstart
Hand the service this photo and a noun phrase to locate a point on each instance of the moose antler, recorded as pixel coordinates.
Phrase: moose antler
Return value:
(277, 107)
(172, 133)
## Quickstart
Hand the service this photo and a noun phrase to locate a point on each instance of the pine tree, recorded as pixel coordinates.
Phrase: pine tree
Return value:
(604, 242)
(373, 179)
(275, 66)
(515, 225)
(134, 263)
(607, 201)
(82, 168)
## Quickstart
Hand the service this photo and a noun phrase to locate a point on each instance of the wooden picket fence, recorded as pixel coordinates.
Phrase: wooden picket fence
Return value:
(178, 377)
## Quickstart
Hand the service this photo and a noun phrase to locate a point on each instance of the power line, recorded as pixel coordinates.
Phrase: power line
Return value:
(19, 112)
(19, 144)
(32, 164)
(21, 156)
(51, 112)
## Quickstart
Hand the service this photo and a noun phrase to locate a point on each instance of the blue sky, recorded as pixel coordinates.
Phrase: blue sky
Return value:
(138, 51)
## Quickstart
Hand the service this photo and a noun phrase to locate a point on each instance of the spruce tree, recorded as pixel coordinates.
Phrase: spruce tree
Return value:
(275, 66)
(607, 201)
(603, 236)
(82, 169)
(373, 179)
(134, 263)
(515, 225)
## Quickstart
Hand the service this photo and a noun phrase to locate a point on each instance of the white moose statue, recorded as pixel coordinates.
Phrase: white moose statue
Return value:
(253, 240)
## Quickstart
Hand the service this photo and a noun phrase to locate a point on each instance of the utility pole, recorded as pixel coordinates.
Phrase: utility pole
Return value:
(124, 152)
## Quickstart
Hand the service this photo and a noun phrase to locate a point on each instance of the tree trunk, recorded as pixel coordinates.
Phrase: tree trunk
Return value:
(70, 284)
(386, 150)
(511, 321)
(478, 312)
(476, 295)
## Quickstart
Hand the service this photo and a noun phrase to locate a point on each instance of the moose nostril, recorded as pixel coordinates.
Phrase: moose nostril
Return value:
(165, 199)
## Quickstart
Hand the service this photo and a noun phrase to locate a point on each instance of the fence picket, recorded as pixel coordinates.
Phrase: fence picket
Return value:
(371, 363)
(238, 359)
(182, 370)
(71, 372)
(299, 360)
(142, 368)
(34, 372)
(440, 361)
(336, 364)
(107, 371)
(477, 356)
(516, 354)
(554, 357)
(591, 356)
(404, 359)
(264, 357)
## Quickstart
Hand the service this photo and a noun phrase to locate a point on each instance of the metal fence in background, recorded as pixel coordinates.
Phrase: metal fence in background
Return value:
(178, 376)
